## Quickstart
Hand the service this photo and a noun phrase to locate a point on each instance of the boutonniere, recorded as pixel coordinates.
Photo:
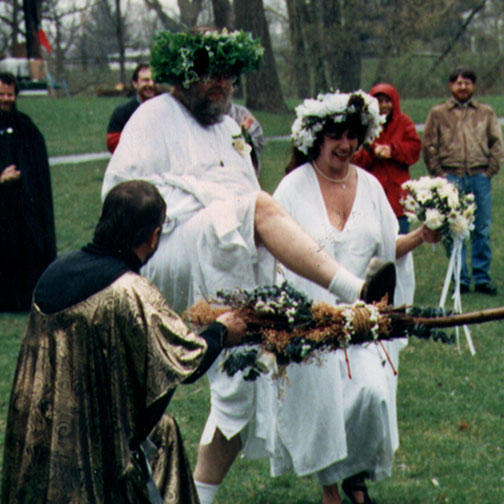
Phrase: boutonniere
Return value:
(241, 145)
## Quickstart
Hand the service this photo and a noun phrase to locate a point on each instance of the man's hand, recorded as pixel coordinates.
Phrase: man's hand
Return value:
(235, 326)
(9, 174)
(247, 122)
(383, 151)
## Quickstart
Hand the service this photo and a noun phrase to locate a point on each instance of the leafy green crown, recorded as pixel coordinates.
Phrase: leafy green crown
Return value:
(184, 58)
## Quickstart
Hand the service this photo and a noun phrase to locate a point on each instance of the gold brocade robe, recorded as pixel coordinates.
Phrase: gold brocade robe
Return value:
(91, 382)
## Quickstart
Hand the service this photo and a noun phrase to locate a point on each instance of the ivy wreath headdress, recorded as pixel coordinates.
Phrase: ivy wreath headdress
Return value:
(313, 113)
(185, 57)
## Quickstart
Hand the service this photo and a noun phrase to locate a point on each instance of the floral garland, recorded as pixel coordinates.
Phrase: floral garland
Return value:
(284, 326)
(173, 55)
(312, 114)
(437, 203)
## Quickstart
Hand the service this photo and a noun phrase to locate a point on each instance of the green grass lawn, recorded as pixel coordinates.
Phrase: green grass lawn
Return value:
(450, 405)
(79, 124)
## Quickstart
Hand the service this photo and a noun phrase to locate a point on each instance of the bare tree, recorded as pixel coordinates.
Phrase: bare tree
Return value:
(10, 23)
(189, 11)
(263, 86)
(31, 9)
(299, 58)
(451, 43)
(166, 20)
(222, 13)
(119, 21)
(326, 43)
(62, 26)
(98, 33)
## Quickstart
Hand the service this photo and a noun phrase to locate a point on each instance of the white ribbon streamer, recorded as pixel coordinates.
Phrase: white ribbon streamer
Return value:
(453, 272)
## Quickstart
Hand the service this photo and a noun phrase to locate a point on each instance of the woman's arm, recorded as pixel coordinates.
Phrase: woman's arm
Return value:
(408, 242)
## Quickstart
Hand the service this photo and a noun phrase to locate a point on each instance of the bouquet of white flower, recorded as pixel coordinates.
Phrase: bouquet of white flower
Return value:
(438, 204)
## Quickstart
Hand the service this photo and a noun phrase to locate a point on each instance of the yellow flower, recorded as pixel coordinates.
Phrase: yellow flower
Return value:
(241, 146)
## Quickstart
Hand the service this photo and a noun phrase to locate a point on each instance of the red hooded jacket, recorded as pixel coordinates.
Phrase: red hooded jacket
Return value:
(400, 133)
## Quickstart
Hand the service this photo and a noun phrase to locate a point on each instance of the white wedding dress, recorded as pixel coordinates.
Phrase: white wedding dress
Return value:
(319, 421)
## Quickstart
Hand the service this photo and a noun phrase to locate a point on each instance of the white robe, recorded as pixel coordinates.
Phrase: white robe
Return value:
(210, 191)
(208, 244)
(320, 421)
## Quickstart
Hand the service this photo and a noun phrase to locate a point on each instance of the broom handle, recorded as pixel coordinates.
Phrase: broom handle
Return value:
(458, 319)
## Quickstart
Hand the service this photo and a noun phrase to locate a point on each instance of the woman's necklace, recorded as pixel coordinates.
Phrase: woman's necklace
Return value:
(341, 181)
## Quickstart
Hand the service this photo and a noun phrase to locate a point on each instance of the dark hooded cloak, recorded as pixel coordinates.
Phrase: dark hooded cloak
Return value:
(26, 212)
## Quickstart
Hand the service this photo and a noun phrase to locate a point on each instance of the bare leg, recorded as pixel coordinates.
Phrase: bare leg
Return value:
(330, 494)
(283, 237)
(288, 243)
(295, 249)
(215, 459)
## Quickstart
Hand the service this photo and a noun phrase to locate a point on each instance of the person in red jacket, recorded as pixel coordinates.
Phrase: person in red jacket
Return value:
(389, 157)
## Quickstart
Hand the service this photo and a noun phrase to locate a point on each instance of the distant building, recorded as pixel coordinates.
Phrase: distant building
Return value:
(30, 74)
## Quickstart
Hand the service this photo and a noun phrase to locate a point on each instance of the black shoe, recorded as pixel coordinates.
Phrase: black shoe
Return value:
(356, 484)
(380, 281)
(464, 289)
(486, 288)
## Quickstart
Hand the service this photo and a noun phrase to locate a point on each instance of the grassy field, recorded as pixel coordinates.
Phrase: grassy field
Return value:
(451, 405)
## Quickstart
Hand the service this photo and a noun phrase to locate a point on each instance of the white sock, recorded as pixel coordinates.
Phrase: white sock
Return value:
(206, 492)
(345, 285)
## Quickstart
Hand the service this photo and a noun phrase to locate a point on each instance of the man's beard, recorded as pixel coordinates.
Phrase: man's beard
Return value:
(146, 93)
(205, 111)
(8, 110)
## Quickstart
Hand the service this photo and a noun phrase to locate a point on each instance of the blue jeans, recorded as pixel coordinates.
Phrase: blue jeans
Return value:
(404, 225)
(481, 254)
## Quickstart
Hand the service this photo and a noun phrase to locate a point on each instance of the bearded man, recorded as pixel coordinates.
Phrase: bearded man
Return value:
(26, 207)
(223, 231)
(463, 142)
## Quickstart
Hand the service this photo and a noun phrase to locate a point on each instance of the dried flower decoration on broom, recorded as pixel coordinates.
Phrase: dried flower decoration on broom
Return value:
(283, 322)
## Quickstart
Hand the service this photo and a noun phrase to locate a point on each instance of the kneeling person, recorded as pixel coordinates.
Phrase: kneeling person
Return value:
(101, 357)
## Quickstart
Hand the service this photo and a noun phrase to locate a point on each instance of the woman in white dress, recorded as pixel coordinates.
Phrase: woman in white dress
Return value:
(346, 211)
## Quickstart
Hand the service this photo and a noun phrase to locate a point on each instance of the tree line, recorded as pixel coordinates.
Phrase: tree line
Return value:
(310, 46)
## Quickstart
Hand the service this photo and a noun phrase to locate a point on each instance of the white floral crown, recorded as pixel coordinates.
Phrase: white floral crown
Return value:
(313, 113)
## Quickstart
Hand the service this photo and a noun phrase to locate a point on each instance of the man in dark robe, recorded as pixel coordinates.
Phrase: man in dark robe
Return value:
(145, 89)
(101, 357)
(26, 208)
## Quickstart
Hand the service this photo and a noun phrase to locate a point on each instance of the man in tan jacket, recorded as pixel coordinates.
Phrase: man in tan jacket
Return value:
(463, 142)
